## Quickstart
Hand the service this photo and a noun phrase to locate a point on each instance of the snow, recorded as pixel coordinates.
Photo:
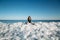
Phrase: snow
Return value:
(22, 31)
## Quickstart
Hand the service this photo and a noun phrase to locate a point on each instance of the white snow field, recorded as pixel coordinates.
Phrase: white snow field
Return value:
(22, 31)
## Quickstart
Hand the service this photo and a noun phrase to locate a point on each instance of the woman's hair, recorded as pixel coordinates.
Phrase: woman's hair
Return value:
(29, 19)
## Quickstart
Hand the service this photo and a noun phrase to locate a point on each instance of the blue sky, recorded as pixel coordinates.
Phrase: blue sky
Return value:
(37, 9)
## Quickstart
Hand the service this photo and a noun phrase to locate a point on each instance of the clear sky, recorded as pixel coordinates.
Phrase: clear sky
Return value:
(37, 9)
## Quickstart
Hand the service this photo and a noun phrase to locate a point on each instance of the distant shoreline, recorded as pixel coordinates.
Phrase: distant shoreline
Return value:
(14, 21)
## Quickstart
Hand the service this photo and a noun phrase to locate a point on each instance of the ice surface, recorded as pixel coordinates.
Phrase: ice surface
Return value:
(22, 31)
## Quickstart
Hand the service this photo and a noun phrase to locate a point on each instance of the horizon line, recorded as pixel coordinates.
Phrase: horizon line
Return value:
(33, 19)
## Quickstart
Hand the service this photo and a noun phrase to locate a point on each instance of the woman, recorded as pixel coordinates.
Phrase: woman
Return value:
(29, 19)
